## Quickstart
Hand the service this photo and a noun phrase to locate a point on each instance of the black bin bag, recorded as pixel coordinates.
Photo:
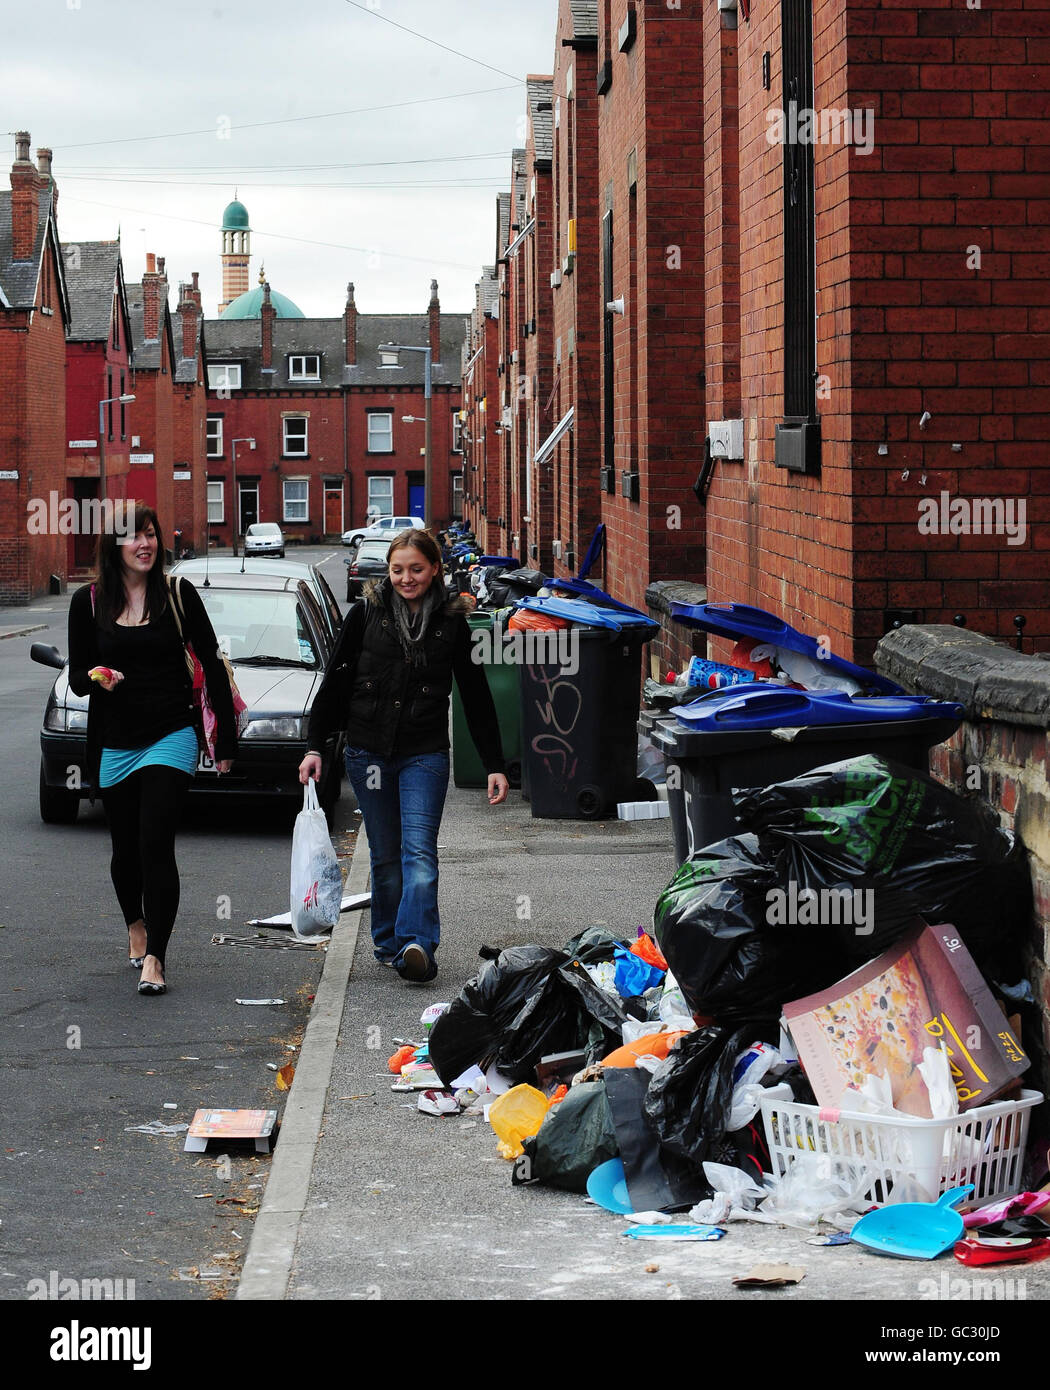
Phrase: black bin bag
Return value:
(922, 849)
(472, 1029)
(712, 922)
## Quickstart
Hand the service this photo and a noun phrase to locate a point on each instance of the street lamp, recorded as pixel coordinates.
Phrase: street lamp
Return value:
(428, 508)
(236, 500)
(110, 400)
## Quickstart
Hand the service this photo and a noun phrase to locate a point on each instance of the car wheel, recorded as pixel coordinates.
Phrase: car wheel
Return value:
(57, 806)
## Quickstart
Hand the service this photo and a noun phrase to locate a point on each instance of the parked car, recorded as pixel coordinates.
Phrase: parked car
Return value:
(367, 562)
(201, 570)
(278, 642)
(382, 528)
(264, 538)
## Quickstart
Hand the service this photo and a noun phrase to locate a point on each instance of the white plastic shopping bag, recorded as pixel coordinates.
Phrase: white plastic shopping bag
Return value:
(317, 883)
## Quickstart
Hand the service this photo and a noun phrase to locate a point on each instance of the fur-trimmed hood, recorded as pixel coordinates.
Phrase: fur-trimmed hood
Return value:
(377, 593)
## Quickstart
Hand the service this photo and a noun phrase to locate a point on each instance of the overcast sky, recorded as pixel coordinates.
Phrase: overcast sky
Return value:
(91, 78)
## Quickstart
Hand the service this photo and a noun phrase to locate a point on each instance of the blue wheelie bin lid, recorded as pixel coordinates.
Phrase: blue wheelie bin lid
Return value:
(741, 620)
(510, 561)
(767, 706)
(589, 614)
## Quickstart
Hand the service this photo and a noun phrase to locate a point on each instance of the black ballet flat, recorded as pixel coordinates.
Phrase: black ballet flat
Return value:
(148, 987)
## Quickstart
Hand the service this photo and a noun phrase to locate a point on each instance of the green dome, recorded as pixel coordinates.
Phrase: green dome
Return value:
(249, 306)
(235, 218)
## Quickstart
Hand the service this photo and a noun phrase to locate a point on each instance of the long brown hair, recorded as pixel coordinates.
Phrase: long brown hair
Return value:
(110, 597)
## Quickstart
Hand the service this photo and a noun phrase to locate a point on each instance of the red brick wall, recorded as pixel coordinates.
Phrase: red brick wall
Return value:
(32, 441)
(576, 309)
(653, 106)
(251, 415)
(538, 353)
(961, 162)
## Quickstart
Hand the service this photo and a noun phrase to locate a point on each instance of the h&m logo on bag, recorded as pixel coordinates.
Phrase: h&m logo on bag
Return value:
(312, 898)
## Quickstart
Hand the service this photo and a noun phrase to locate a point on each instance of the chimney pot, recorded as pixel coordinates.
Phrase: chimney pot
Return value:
(160, 265)
(43, 162)
(151, 263)
(22, 146)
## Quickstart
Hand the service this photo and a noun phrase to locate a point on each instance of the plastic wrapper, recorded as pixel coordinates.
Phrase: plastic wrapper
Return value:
(515, 1116)
(689, 1097)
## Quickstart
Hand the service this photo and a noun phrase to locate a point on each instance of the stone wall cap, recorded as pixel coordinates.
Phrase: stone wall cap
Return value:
(661, 594)
(991, 680)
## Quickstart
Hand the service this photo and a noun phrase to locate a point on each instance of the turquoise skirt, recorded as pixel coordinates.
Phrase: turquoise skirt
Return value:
(177, 750)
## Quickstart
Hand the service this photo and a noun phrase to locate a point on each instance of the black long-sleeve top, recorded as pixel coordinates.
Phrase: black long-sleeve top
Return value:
(156, 696)
(384, 723)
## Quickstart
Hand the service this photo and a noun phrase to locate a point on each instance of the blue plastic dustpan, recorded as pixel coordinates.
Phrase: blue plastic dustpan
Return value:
(914, 1230)
(607, 1185)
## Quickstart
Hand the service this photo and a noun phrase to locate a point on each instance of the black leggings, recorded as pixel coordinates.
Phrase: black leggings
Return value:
(143, 812)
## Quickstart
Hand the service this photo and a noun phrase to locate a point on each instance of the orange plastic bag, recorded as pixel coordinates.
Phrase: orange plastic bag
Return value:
(522, 619)
(652, 1045)
(516, 1115)
(647, 949)
(400, 1057)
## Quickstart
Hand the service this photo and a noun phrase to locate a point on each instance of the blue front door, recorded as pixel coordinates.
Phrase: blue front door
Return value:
(416, 494)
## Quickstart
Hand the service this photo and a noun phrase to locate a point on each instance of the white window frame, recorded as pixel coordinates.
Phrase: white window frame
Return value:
(285, 439)
(457, 496)
(389, 359)
(388, 416)
(387, 507)
(457, 431)
(217, 500)
(216, 437)
(302, 373)
(224, 376)
(288, 504)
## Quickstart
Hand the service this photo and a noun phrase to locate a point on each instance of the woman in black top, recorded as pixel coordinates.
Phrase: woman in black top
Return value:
(388, 685)
(126, 655)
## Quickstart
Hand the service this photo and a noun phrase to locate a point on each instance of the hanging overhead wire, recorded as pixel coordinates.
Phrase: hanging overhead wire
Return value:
(367, 9)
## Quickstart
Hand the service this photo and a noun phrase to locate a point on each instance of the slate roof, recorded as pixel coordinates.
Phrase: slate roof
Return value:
(541, 115)
(18, 279)
(240, 340)
(91, 285)
(186, 367)
(519, 193)
(489, 289)
(584, 19)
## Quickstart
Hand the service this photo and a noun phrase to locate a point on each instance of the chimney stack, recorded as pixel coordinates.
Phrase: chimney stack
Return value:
(189, 309)
(350, 326)
(267, 314)
(25, 208)
(154, 288)
(434, 322)
(194, 290)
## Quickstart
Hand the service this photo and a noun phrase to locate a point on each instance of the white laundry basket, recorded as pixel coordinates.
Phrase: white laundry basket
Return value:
(984, 1146)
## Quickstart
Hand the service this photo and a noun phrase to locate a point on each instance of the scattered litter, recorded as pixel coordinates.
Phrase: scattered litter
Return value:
(155, 1127)
(230, 1124)
(260, 1001)
(769, 1277)
(189, 1059)
(272, 1066)
(836, 1238)
(191, 1274)
(170, 1105)
(198, 1195)
(652, 1269)
(260, 942)
(673, 1231)
(438, 1103)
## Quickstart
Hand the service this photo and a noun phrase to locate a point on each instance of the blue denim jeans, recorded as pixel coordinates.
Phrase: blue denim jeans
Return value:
(401, 801)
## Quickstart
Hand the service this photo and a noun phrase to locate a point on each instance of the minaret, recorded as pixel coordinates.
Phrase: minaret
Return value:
(236, 252)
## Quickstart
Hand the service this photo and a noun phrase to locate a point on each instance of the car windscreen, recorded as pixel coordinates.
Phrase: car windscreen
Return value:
(373, 550)
(259, 628)
(263, 528)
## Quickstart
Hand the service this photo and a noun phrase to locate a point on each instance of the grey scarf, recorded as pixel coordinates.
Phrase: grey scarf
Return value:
(410, 626)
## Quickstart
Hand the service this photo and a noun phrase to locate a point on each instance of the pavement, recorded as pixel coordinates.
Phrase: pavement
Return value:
(369, 1199)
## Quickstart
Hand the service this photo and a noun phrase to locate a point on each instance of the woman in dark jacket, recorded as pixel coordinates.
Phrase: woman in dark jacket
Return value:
(126, 655)
(388, 685)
